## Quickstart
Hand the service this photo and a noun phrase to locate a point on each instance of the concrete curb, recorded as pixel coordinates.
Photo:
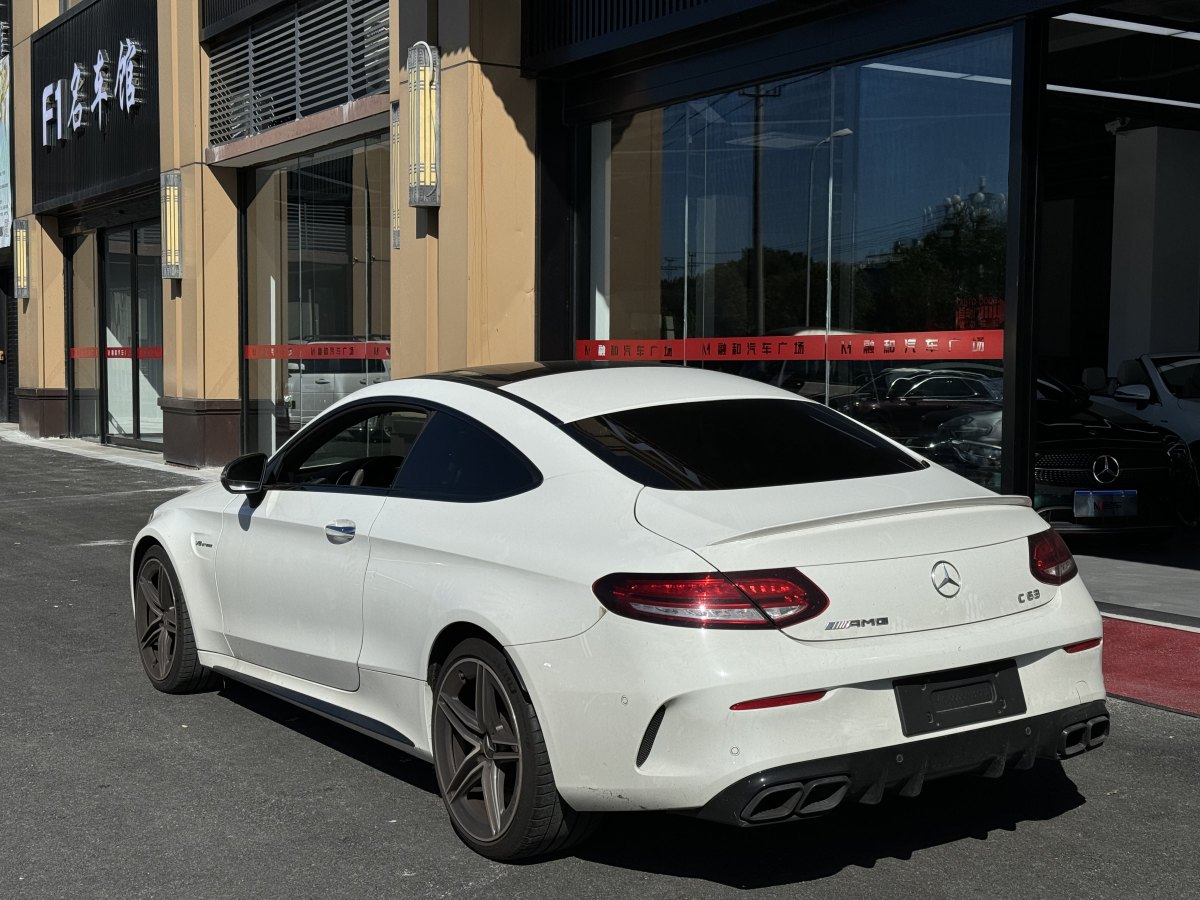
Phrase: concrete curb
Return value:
(76, 447)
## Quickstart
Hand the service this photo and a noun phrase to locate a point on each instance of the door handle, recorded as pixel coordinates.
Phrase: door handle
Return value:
(321, 381)
(340, 531)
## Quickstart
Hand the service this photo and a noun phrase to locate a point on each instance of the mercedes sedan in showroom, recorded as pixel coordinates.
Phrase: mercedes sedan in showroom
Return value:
(1096, 468)
(576, 588)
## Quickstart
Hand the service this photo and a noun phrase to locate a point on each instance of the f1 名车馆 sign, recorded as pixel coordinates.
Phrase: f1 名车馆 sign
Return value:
(93, 93)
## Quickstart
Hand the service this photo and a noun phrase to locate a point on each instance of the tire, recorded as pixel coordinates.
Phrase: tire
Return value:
(163, 629)
(492, 769)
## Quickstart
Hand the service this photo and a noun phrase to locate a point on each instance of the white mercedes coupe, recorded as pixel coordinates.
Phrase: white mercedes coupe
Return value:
(576, 588)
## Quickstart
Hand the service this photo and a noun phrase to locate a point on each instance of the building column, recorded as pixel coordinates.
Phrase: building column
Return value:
(201, 409)
(463, 277)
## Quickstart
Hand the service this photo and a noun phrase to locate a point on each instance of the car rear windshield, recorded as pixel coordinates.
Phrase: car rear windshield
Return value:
(718, 445)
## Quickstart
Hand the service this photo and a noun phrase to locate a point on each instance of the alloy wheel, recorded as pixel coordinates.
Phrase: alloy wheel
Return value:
(157, 619)
(477, 749)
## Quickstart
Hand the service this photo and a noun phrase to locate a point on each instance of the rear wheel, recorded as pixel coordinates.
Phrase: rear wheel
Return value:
(491, 761)
(164, 630)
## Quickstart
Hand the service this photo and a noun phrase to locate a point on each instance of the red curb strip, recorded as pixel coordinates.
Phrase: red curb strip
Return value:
(1153, 664)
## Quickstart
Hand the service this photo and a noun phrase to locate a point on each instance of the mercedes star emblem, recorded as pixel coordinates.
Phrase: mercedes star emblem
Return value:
(1106, 469)
(946, 580)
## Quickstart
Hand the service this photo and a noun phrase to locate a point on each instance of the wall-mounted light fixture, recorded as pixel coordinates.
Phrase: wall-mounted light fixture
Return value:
(170, 196)
(424, 126)
(21, 259)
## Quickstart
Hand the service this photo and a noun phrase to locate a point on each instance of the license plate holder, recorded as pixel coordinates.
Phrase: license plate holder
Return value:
(1105, 504)
(940, 700)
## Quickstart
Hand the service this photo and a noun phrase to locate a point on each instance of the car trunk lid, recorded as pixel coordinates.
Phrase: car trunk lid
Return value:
(873, 545)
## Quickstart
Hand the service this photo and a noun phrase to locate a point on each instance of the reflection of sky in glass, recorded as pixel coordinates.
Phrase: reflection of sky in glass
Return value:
(923, 136)
(928, 124)
(718, 170)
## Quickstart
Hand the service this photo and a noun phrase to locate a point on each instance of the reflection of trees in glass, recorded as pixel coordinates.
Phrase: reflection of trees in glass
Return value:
(951, 277)
(957, 264)
(731, 285)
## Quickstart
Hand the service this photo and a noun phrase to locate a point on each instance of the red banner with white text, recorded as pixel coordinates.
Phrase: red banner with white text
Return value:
(345, 350)
(116, 353)
(908, 347)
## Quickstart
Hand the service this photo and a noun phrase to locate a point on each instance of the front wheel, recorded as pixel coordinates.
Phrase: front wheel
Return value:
(491, 762)
(164, 629)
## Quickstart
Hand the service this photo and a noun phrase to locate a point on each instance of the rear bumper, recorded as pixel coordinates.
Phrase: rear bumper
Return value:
(639, 717)
(809, 788)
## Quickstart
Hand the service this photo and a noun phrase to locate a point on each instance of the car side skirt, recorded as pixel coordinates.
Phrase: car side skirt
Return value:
(371, 710)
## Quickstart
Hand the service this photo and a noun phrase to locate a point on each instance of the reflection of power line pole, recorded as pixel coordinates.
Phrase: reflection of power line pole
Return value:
(812, 159)
(756, 234)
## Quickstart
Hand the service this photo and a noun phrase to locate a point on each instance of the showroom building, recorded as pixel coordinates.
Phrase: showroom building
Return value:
(934, 216)
(210, 203)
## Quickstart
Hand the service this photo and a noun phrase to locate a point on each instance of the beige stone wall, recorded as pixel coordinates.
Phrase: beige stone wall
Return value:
(463, 279)
(200, 322)
(41, 321)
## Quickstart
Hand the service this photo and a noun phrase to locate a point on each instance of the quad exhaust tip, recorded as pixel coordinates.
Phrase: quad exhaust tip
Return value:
(796, 800)
(1082, 736)
(801, 799)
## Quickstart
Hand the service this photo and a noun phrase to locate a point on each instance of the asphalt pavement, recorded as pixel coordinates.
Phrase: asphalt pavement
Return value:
(110, 789)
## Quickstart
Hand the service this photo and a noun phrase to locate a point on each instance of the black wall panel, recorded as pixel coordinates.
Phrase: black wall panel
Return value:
(125, 151)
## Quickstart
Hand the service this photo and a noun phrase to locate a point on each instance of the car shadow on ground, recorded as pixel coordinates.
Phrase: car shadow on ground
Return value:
(359, 747)
(854, 836)
(947, 811)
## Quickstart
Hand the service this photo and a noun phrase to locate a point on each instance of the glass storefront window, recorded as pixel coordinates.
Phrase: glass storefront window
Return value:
(318, 312)
(118, 332)
(841, 233)
(920, 249)
(132, 346)
(116, 344)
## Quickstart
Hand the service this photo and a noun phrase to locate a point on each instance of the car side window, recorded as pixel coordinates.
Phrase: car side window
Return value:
(460, 460)
(942, 389)
(1182, 378)
(363, 452)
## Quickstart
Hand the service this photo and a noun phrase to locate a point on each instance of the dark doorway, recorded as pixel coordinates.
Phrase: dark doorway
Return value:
(1117, 300)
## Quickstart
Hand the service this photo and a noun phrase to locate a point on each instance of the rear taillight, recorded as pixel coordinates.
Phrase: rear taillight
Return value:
(768, 599)
(1049, 559)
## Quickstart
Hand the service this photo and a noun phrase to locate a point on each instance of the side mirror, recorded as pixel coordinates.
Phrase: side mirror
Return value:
(295, 368)
(1138, 392)
(245, 474)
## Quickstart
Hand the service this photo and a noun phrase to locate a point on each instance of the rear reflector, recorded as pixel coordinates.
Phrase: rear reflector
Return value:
(780, 700)
(1049, 559)
(1082, 645)
(773, 598)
